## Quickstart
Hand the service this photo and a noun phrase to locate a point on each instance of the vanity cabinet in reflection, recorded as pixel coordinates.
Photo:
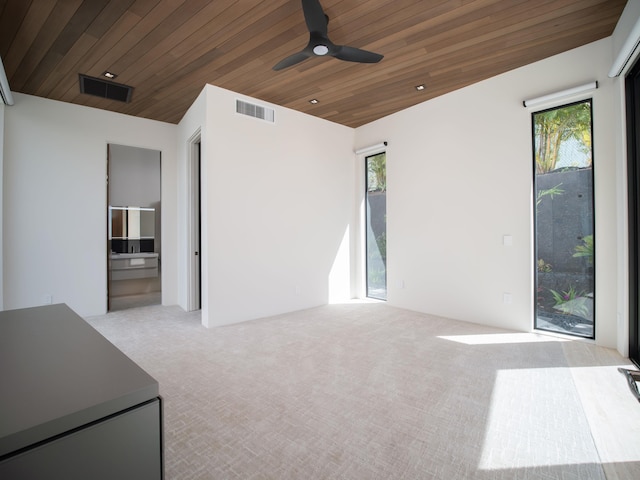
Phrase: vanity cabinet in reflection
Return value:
(127, 266)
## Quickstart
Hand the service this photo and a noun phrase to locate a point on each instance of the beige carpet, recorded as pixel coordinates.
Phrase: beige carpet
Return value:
(367, 391)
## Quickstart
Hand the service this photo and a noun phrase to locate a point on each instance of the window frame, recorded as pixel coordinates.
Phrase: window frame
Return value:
(366, 225)
(588, 99)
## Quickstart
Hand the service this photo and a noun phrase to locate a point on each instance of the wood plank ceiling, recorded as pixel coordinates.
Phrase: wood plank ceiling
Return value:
(169, 49)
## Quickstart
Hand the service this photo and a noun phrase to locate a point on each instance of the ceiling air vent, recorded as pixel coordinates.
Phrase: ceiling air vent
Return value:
(263, 113)
(104, 89)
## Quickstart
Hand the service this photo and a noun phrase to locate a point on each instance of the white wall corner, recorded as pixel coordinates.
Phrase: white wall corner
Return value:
(622, 215)
(626, 39)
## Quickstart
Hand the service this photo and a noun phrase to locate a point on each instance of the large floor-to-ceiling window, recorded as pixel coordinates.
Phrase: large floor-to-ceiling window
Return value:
(564, 222)
(376, 225)
(633, 177)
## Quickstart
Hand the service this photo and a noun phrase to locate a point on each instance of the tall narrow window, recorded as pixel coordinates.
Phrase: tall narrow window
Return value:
(633, 178)
(376, 226)
(564, 224)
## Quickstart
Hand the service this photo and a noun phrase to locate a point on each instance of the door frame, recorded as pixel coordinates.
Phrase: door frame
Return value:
(194, 231)
(632, 100)
(108, 246)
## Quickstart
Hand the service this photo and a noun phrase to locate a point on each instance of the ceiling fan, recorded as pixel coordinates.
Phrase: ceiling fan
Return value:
(319, 43)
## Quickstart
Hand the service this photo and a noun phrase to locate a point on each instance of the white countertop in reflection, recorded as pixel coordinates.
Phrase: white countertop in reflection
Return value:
(116, 256)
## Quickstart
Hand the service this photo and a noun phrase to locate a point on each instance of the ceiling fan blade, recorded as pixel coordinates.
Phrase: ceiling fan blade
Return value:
(319, 43)
(352, 54)
(314, 16)
(291, 60)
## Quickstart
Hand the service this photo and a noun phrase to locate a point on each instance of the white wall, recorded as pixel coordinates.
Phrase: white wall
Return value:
(277, 211)
(54, 215)
(459, 178)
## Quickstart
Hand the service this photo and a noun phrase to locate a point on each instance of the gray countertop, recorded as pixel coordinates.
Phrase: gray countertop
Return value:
(58, 373)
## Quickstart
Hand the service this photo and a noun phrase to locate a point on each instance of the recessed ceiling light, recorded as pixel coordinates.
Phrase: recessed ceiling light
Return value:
(109, 75)
(313, 101)
(420, 87)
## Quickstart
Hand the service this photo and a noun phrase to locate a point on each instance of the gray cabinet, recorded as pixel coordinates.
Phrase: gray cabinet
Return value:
(127, 266)
(72, 405)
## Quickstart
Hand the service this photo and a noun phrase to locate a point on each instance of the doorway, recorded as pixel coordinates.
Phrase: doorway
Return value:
(194, 253)
(633, 178)
(133, 226)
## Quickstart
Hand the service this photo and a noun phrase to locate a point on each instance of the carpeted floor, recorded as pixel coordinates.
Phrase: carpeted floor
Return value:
(368, 391)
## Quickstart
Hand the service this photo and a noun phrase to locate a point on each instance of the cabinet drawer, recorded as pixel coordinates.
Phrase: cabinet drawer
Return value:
(128, 445)
(134, 262)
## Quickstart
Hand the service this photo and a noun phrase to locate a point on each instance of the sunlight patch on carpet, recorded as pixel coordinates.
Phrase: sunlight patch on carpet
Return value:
(535, 419)
(500, 338)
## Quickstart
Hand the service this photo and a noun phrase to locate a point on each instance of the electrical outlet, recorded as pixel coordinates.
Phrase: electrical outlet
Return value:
(48, 299)
(506, 298)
